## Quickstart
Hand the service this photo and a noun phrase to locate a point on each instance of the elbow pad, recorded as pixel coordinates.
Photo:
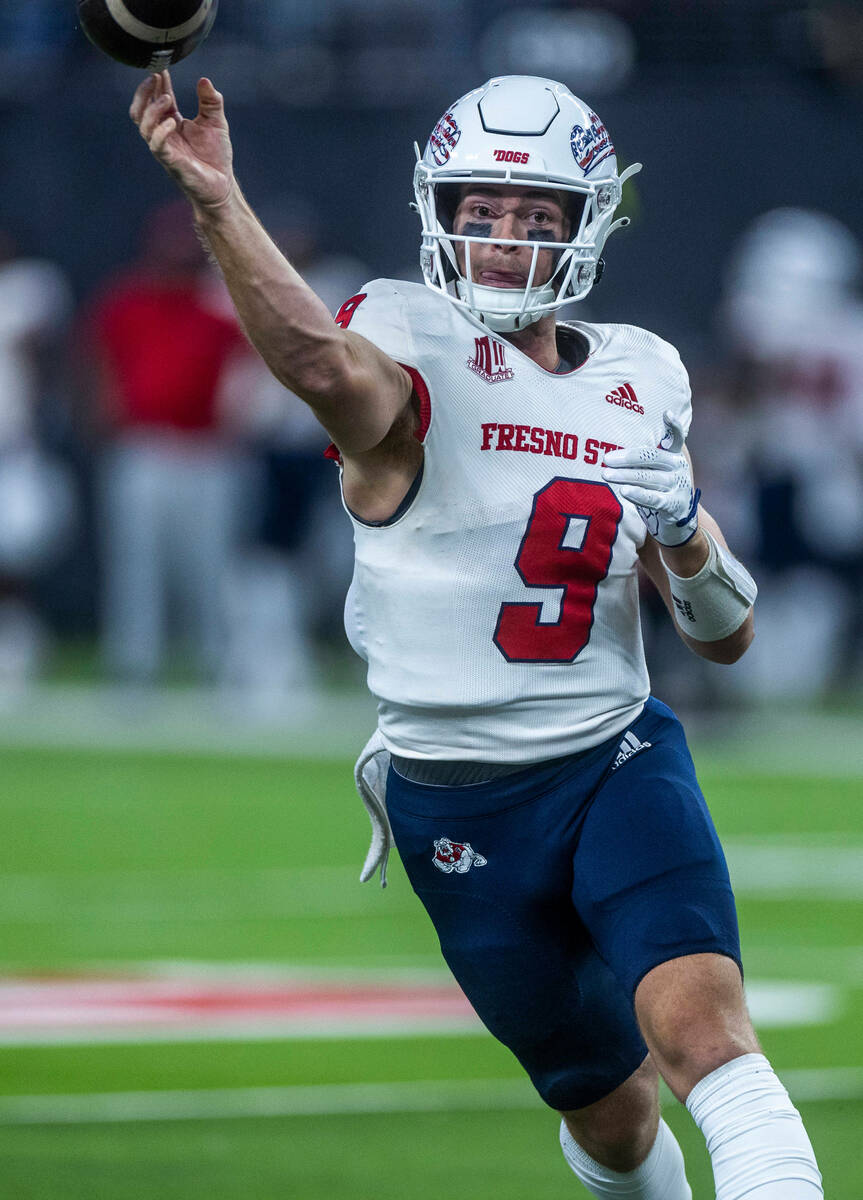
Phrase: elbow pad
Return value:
(714, 603)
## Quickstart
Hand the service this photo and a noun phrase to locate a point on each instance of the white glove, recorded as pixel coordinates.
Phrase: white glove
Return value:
(658, 481)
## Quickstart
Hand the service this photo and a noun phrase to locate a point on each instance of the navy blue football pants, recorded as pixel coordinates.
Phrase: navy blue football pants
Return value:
(556, 888)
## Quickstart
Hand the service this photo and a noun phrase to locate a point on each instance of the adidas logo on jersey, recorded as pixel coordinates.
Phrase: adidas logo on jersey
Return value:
(625, 397)
(628, 747)
(489, 361)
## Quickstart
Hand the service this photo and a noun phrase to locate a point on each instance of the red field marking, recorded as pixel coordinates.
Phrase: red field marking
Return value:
(35, 1006)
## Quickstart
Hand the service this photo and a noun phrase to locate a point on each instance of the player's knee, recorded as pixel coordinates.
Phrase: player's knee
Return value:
(619, 1130)
(692, 1012)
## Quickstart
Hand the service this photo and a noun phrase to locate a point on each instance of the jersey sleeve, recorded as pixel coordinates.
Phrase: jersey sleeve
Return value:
(379, 312)
(667, 381)
(675, 381)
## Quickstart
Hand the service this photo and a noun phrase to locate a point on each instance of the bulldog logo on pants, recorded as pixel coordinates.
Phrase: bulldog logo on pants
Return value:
(456, 856)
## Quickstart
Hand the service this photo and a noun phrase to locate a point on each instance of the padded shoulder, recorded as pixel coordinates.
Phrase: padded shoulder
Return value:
(657, 361)
(381, 312)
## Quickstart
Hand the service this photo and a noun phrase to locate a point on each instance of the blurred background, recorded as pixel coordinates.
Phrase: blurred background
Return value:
(744, 252)
(178, 705)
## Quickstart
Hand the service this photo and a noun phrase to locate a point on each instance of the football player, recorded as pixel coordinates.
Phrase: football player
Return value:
(506, 474)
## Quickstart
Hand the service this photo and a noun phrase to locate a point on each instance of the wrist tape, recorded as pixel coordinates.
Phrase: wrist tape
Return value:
(715, 602)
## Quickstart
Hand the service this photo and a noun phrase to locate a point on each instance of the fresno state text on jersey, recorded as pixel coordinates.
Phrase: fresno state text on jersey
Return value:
(496, 610)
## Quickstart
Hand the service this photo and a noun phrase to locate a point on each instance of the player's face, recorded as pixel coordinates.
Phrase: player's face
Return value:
(509, 213)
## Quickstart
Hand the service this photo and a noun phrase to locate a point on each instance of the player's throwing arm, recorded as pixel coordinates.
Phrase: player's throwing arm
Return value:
(356, 391)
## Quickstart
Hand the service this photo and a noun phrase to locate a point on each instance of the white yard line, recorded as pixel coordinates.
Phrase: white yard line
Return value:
(296, 1101)
(195, 895)
(321, 725)
(772, 866)
(784, 1004)
(336, 724)
(245, 1031)
(841, 965)
(831, 1083)
(805, 1086)
(778, 866)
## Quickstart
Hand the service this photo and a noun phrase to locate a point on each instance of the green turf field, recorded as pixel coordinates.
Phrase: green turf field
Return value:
(125, 858)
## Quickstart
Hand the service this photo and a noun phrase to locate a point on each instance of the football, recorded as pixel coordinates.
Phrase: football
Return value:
(152, 34)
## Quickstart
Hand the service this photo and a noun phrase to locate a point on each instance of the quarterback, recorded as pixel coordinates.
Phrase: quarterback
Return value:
(508, 475)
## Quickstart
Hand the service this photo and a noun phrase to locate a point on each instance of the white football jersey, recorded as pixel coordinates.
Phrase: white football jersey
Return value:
(499, 612)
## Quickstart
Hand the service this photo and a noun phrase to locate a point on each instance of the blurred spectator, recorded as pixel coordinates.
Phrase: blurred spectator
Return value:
(37, 497)
(161, 336)
(837, 31)
(590, 49)
(826, 40)
(796, 332)
(290, 582)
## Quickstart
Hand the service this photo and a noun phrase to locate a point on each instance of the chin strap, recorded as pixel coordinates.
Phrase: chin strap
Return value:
(485, 304)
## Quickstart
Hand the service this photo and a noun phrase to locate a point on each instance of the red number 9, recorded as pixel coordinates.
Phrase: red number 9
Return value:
(567, 545)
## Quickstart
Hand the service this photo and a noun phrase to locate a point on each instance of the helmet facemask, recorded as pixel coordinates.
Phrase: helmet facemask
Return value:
(443, 170)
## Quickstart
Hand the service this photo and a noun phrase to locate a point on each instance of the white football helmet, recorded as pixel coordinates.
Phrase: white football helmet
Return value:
(521, 130)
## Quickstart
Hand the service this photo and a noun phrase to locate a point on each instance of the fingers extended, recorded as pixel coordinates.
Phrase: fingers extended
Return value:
(167, 88)
(143, 94)
(155, 113)
(211, 104)
(662, 482)
(641, 456)
(207, 93)
(154, 99)
(161, 134)
(643, 497)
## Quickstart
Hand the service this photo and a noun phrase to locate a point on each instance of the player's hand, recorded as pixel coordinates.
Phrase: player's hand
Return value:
(658, 481)
(198, 153)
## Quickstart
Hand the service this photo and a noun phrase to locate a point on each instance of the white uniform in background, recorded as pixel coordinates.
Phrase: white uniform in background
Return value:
(791, 310)
(38, 498)
(513, 550)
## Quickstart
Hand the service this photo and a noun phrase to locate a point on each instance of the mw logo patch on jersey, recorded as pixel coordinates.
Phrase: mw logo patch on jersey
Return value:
(489, 361)
(456, 856)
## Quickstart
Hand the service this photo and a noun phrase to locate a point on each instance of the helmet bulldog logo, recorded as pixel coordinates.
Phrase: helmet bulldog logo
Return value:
(456, 856)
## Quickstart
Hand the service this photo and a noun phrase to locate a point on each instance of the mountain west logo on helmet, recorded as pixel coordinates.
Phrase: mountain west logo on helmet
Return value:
(456, 856)
(556, 142)
(444, 139)
(590, 146)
